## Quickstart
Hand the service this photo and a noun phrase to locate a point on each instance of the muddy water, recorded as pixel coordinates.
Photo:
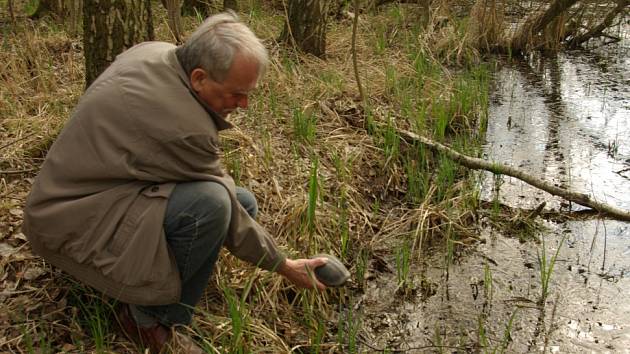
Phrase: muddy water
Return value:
(567, 120)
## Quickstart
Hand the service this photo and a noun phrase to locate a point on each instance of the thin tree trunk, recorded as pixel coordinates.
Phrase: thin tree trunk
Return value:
(306, 26)
(75, 9)
(11, 12)
(355, 64)
(55, 8)
(479, 164)
(174, 11)
(536, 23)
(110, 27)
(65, 11)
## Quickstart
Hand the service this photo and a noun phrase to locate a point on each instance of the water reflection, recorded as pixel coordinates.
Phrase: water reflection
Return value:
(561, 119)
(566, 120)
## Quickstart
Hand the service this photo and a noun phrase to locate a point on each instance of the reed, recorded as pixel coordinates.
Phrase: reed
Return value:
(546, 266)
(313, 192)
(304, 126)
(403, 267)
(94, 315)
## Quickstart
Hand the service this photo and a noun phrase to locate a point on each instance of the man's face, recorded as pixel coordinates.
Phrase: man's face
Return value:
(224, 97)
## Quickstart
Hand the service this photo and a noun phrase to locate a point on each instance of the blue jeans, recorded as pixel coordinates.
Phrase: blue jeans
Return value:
(196, 223)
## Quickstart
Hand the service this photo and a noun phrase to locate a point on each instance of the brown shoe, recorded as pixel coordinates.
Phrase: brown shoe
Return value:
(155, 337)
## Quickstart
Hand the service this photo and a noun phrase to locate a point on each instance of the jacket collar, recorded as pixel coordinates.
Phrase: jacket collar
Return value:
(219, 121)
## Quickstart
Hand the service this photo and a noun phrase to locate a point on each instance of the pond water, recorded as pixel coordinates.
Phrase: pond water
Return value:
(566, 120)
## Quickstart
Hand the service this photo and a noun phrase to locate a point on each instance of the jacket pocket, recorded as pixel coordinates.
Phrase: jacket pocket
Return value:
(131, 224)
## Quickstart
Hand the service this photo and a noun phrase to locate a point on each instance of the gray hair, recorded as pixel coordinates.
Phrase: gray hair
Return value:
(214, 44)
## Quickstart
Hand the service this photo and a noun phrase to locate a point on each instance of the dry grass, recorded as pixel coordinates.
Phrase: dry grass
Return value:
(362, 177)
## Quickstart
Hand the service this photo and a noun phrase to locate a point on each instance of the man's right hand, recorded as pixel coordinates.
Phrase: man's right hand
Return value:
(301, 272)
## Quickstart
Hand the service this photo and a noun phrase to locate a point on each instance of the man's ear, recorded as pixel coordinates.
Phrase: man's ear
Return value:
(197, 78)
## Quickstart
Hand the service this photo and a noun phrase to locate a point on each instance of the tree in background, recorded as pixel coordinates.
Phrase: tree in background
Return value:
(110, 27)
(174, 11)
(305, 26)
(67, 11)
(56, 8)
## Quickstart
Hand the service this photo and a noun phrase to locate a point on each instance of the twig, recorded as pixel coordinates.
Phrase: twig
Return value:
(479, 164)
(16, 140)
(17, 172)
(355, 24)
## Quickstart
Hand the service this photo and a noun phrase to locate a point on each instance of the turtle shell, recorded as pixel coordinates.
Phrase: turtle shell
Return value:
(333, 273)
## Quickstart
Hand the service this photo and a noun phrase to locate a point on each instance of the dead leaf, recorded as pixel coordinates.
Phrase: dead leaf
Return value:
(68, 347)
(20, 236)
(6, 250)
(5, 229)
(33, 273)
(16, 212)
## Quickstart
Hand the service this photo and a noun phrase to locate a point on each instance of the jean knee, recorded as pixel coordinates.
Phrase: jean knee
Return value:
(215, 208)
(202, 208)
(248, 201)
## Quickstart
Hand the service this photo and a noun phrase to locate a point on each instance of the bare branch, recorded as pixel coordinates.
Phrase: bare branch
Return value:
(479, 164)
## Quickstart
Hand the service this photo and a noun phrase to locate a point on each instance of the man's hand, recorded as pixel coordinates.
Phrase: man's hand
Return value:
(301, 272)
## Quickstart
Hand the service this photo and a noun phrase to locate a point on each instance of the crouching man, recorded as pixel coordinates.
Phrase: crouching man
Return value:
(132, 199)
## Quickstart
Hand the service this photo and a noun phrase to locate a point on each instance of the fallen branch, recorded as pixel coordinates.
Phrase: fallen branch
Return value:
(479, 164)
(599, 29)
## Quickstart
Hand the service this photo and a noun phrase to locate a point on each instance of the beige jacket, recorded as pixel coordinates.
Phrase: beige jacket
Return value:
(97, 206)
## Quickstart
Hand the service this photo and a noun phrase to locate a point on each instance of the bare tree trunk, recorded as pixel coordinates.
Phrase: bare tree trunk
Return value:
(54, 8)
(355, 64)
(479, 164)
(305, 26)
(536, 23)
(75, 9)
(110, 27)
(174, 11)
(66, 11)
(11, 12)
